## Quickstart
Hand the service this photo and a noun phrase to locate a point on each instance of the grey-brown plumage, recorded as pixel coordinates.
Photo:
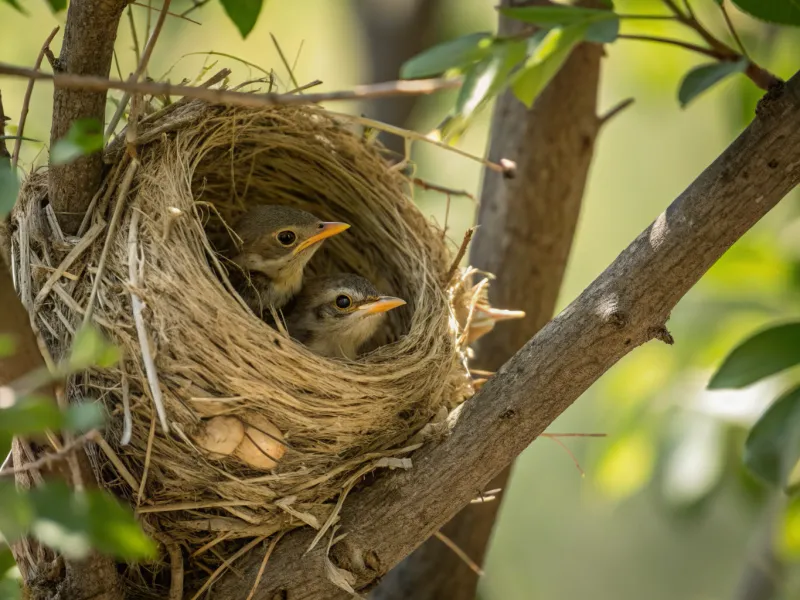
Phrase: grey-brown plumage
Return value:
(276, 244)
(334, 315)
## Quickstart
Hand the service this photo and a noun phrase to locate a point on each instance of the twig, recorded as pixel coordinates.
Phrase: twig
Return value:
(176, 566)
(462, 250)
(614, 111)
(427, 185)
(142, 66)
(285, 62)
(98, 439)
(302, 88)
(459, 552)
(171, 14)
(226, 564)
(138, 306)
(50, 457)
(416, 87)
(26, 101)
(148, 455)
(686, 45)
(407, 134)
(112, 229)
(267, 554)
(567, 450)
(134, 35)
(732, 29)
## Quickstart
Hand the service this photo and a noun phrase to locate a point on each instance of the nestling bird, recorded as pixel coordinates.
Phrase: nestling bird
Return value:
(335, 315)
(277, 243)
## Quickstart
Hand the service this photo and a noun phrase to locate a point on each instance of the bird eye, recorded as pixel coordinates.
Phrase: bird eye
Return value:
(287, 237)
(343, 301)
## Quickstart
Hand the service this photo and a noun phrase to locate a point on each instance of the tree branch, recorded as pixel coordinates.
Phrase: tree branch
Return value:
(88, 48)
(526, 229)
(387, 89)
(625, 307)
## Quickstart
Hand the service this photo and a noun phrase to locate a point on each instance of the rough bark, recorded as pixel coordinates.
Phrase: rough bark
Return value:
(526, 229)
(625, 307)
(88, 47)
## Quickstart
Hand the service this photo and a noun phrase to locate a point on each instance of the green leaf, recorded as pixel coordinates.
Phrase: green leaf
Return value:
(57, 5)
(91, 349)
(30, 415)
(243, 13)
(61, 519)
(701, 78)
(83, 417)
(114, 530)
(8, 344)
(552, 16)
(482, 82)
(17, 514)
(783, 12)
(545, 61)
(766, 353)
(9, 187)
(452, 54)
(84, 137)
(772, 448)
(14, 4)
(602, 30)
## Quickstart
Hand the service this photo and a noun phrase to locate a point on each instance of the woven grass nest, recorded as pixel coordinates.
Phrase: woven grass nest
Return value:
(158, 218)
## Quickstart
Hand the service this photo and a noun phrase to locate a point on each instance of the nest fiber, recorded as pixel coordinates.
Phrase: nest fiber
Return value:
(149, 246)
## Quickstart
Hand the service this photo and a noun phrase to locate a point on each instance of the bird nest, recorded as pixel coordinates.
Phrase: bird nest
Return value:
(145, 266)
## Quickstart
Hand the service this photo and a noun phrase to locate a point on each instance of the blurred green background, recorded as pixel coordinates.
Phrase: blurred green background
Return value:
(664, 510)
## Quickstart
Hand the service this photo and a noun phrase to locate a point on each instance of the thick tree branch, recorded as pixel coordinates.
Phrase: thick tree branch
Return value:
(626, 306)
(88, 47)
(526, 229)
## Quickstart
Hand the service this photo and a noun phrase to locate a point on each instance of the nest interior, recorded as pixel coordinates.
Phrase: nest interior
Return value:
(157, 220)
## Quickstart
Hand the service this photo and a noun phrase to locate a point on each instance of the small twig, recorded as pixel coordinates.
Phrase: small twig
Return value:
(389, 89)
(142, 66)
(26, 101)
(686, 45)
(98, 439)
(134, 35)
(614, 111)
(171, 14)
(285, 62)
(267, 554)
(566, 449)
(196, 4)
(47, 459)
(147, 457)
(563, 435)
(462, 250)
(176, 566)
(141, 331)
(459, 552)
(504, 167)
(226, 564)
(302, 88)
(427, 185)
(732, 29)
(112, 229)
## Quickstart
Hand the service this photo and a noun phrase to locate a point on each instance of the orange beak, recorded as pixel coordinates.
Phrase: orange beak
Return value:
(328, 230)
(381, 305)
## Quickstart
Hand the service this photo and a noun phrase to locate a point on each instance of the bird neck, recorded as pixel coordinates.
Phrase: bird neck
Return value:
(284, 287)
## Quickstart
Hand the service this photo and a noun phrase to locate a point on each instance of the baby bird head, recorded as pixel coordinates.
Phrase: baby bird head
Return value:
(278, 241)
(337, 314)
